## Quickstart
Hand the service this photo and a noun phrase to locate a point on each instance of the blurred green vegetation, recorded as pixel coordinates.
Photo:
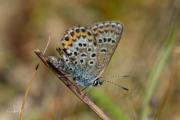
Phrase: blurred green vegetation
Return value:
(149, 50)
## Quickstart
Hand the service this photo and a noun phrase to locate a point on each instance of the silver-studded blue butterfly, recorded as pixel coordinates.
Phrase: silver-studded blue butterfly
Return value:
(87, 51)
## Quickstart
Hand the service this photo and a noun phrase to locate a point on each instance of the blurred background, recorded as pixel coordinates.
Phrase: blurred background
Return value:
(149, 50)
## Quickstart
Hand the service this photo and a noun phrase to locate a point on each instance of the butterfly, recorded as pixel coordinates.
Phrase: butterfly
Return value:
(87, 51)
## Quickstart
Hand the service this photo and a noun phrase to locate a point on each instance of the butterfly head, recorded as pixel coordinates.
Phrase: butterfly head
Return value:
(81, 81)
(97, 82)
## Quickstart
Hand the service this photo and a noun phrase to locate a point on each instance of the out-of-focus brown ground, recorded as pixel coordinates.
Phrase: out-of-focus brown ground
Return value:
(24, 27)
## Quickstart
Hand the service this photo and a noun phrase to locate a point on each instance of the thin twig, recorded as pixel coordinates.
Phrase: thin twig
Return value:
(72, 87)
(31, 80)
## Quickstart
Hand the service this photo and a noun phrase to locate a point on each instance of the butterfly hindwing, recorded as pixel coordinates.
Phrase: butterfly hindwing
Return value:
(80, 47)
(87, 51)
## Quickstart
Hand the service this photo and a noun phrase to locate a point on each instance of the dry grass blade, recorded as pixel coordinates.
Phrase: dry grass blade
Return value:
(173, 80)
(31, 80)
(72, 87)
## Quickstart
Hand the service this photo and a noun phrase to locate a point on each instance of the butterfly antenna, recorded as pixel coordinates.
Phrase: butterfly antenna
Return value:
(115, 76)
(116, 85)
(29, 84)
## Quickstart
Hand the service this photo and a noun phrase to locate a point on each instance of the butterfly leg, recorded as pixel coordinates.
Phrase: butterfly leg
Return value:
(84, 88)
(88, 88)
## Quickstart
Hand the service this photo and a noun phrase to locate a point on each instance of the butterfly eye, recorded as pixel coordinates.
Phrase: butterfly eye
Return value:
(97, 82)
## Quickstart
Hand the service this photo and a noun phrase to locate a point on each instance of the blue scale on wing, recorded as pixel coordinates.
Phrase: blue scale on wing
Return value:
(81, 53)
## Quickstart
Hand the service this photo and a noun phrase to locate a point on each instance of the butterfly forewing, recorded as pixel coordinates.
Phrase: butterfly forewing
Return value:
(107, 35)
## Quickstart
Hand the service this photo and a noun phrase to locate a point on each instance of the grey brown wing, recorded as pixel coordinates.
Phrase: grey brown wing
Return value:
(107, 34)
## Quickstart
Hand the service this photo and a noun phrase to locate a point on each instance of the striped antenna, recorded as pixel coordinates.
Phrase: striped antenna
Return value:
(117, 85)
(115, 76)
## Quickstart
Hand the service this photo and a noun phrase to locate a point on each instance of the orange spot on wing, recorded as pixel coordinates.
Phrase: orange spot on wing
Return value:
(69, 42)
